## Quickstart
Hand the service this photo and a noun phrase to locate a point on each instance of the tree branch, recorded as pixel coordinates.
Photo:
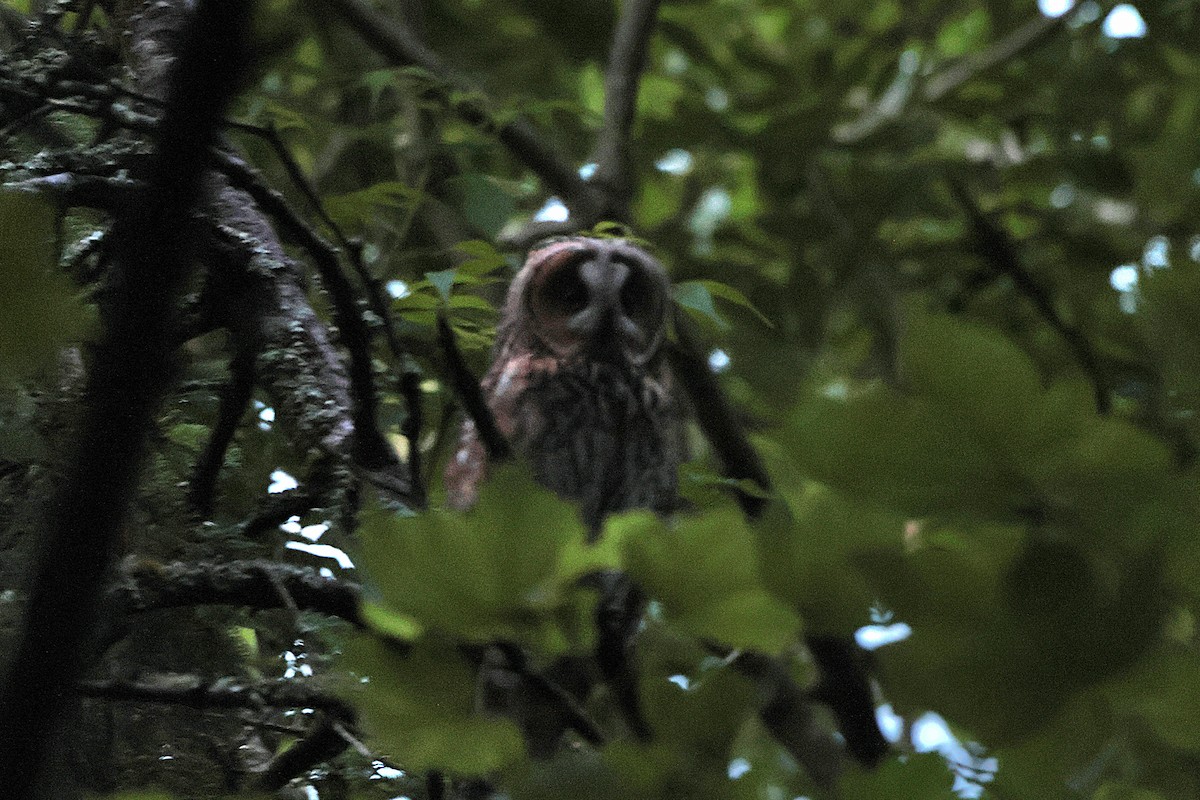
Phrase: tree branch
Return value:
(191, 691)
(626, 62)
(994, 245)
(252, 584)
(235, 398)
(739, 460)
(399, 46)
(371, 449)
(131, 367)
(470, 395)
(1026, 37)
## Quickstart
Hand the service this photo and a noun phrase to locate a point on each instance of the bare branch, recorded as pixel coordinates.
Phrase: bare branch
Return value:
(235, 398)
(1026, 37)
(466, 388)
(193, 691)
(322, 743)
(113, 194)
(907, 84)
(249, 584)
(626, 61)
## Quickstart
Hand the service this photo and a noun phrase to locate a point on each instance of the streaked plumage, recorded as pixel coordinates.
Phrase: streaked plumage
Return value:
(578, 382)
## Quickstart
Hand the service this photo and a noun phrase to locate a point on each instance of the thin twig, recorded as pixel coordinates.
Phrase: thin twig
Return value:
(577, 718)
(235, 398)
(192, 691)
(739, 460)
(994, 245)
(323, 742)
(466, 388)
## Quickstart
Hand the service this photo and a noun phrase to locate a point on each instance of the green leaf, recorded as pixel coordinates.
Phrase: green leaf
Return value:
(418, 704)
(727, 292)
(705, 573)
(443, 281)
(359, 209)
(918, 777)
(189, 435)
(482, 257)
(810, 557)
(1123, 791)
(696, 298)
(971, 373)
(390, 623)
(870, 442)
(491, 573)
(483, 200)
(41, 311)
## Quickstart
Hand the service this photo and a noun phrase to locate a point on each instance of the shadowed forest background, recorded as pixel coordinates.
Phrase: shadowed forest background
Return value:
(936, 268)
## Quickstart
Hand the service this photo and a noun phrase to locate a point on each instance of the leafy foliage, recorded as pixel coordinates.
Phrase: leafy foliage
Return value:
(951, 253)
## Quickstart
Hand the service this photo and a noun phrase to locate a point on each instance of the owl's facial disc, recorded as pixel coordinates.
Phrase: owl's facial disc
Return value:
(601, 295)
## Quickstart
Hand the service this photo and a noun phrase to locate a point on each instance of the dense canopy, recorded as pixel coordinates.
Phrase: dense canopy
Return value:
(937, 274)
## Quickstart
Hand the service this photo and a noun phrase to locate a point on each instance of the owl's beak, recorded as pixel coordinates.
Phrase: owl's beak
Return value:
(604, 322)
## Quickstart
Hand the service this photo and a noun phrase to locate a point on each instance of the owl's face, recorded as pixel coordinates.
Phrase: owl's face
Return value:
(601, 297)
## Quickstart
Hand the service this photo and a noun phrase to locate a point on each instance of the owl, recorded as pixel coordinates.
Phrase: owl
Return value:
(579, 384)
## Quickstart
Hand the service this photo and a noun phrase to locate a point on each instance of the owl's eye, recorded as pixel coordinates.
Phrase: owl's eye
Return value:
(563, 293)
(640, 299)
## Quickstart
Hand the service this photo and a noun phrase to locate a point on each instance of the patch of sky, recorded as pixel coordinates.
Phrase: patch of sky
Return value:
(1157, 254)
(1124, 22)
(872, 637)
(385, 772)
(1055, 8)
(1088, 13)
(675, 162)
(310, 532)
(836, 390)
(716, 98)
(553, 211)
(891, 724)
(323, 551)
(396, 288)
(587, 171)
(675, 62)
(737, 768)
(371, 252)
(1124, 278)
(719, 361)
(295, 665)
(281, 482)
(711, 210)
(931, 734)
(682, 681)
(1062, 196)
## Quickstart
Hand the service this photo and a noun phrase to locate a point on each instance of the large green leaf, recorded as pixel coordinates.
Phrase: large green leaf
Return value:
(490, 573)
(704, 572)
(419, 707)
